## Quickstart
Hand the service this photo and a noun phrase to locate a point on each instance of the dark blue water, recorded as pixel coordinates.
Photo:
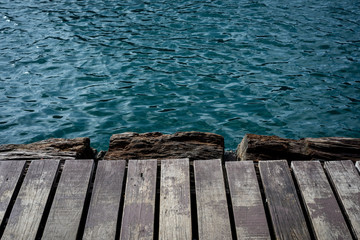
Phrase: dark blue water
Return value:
(95, 68)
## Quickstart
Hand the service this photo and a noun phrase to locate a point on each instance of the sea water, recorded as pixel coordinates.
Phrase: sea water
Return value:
(94, 68)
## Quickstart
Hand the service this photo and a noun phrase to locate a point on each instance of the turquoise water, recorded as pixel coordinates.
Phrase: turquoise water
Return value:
(95, 68)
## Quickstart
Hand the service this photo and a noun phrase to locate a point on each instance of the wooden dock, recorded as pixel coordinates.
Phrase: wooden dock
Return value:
(179, 199)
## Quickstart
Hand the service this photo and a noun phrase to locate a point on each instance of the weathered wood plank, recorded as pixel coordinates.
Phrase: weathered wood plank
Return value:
(10, 172)
(248, 208)
(357, 165)
(105, 200)
(175, 212)
(66, 210)
(30, 203)
(139, 205)
(346, 182)
(287, 217)
(212, 207)
(321, 205)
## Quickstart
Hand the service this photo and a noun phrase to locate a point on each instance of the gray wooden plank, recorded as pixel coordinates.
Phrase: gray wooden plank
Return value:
(105, 200)
(211, 203)
(286, 214)
(66, 210)
(30, 203)
(320, 202)
(175, 212)
(10, 172)
(139, 204)
(357, 165)
(248, 208)
(346, 182)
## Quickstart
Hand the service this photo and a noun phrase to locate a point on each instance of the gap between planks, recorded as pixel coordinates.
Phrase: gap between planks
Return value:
(195, 218)
(346, 184)
(287, 217)
(321, 205)
(211, 202)
(247, 204)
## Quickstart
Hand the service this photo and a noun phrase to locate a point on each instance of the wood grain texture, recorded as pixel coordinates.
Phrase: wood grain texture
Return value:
(30, 203)
(175, 212)
(10, 172)
(346, 182)
(357, 165)
(212, 207)
(65, 213)
(248, 208)
(287, 217)
(139, 205)
(105, 200)
(324, 212)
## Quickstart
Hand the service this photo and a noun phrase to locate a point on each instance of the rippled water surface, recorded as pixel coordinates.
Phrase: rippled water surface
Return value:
(94, 68)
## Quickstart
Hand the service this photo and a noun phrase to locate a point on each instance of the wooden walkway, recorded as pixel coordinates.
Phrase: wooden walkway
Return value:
(178, 199)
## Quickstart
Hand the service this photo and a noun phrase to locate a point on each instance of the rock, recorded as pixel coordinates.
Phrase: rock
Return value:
(229, 156)
(54, 148)
(333, 148)
(155, 145)
(260, 147)
(100, 155)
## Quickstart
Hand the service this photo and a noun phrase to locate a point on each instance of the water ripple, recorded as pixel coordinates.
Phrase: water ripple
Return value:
(95, 68)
